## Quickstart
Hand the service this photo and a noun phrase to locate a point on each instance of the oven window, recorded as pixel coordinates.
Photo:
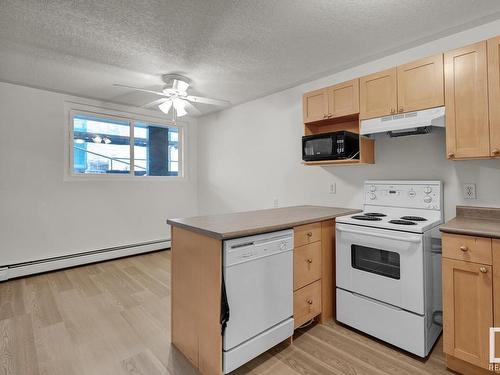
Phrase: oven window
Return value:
(379, 262)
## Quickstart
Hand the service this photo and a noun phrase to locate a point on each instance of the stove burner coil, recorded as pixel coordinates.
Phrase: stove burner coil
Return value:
(367, 218)
(402, 222)
(413, 218)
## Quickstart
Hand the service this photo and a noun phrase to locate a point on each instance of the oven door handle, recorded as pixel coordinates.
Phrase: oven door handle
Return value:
(380, 235)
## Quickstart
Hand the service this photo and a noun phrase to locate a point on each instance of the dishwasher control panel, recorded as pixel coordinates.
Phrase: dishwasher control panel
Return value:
(239, 250)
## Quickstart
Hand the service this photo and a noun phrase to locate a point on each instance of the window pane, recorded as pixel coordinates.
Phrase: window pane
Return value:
(100, 145)
(156, 150)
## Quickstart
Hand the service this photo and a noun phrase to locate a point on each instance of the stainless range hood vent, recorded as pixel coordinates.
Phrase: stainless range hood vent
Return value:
(403, 124)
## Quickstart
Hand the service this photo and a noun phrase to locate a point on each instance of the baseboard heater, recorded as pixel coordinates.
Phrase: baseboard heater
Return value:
(43, 265)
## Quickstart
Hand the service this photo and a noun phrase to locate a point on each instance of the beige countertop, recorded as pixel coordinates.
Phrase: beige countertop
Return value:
(474, 221)
(248, 223)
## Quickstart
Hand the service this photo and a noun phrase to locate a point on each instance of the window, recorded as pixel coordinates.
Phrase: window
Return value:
(103, 145)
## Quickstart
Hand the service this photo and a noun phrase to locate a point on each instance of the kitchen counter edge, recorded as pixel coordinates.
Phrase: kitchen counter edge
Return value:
(264, 229)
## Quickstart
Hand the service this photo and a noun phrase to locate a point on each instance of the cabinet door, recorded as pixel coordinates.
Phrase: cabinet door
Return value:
(377, 94)
(343, 99)
(494, 93)
(466, 100)
(467, 310)
(315, 105)
(421, 84)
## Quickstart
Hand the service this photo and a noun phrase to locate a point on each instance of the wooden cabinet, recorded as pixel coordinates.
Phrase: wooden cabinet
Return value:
(306, 265)
(378, 94)
(467, 310)
(471, 300)
(313, 272)
(335, 101)
(315, 105)
(421, 84)
(410, 87)
(306, 234)
(468, 248)
(343, 99)
(466, 100)
(494, 94)
(307, 303)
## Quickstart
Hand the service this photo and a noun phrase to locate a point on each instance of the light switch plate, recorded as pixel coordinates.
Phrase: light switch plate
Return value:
(470, 191)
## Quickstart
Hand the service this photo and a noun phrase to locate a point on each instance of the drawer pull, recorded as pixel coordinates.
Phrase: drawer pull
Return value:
(309, 261)
(464, 248)
(309, 301)
(309, 234)
(483, 269)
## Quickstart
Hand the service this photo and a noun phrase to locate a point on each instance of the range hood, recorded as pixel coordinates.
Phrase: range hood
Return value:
(401, 124)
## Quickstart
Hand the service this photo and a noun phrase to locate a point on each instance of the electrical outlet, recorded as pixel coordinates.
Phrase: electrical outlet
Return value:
(470, 191)
(333, 188)
(276, 203)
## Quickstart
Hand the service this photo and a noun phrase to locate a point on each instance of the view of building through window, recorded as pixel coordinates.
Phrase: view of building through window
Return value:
(102, 145)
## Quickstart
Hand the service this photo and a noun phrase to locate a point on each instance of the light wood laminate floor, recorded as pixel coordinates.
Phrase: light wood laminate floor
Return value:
(114, 318)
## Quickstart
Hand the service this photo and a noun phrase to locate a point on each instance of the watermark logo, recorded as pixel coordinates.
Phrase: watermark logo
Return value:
(494, 361)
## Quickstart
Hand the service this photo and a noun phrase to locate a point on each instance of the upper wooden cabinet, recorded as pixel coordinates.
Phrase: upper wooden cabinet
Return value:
(410, 87)
(343, 99)
(494, 93)
(315, 105)
(421, 84)
(334, 101)
(467, 310)
(466, 100)
(378, 94)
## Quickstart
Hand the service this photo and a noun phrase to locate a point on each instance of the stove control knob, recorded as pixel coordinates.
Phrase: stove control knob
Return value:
(412, 193)
(372, 188)
(427, 190)
(427, 199)
(372, 196)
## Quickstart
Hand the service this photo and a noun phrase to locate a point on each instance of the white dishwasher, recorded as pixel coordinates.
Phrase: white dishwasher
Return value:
(258, 276)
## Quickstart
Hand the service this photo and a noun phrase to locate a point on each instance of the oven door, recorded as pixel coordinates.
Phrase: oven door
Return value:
(382, 264)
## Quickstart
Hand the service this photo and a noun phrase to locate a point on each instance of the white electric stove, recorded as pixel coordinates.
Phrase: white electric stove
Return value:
(388, 264)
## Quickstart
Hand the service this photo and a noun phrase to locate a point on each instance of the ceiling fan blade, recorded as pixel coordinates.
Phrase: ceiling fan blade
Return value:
(200, 99)
(192, 109)
(155, 103)
(143, 90)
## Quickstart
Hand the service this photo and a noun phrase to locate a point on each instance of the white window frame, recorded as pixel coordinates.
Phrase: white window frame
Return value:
(74, 109)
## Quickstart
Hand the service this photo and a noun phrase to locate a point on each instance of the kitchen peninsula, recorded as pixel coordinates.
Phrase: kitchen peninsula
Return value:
(197, 261)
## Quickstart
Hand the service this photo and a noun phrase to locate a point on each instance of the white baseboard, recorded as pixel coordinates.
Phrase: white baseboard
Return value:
(44, 265)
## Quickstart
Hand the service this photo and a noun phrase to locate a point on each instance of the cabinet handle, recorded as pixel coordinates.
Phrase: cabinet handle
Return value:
(330, 116)
(451, 155)
(309, 301)
(309, 234)
(401, 110)
(325, 116)
(464, 248)
(309, 261)
(393, 111)
(495, 151)
(483, 269)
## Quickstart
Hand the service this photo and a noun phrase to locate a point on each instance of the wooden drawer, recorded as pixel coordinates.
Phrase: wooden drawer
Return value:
(468, 248)
(307, 303)
(306, 234)
(306, 264)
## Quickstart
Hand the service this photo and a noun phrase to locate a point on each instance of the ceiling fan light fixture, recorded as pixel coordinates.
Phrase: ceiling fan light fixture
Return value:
(179, 106)
(180, 86)
(165, 106)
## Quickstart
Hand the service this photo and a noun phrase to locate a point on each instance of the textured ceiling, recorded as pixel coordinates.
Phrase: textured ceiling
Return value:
(233, 50)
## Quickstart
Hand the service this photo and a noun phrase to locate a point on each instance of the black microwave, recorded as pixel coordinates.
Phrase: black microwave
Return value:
(330, 146)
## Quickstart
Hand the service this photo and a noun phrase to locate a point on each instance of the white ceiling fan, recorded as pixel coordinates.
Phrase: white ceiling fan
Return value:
(175, 97)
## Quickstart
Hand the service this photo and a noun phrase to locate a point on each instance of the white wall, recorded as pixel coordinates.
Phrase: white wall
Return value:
(251, 154)
(43, 215)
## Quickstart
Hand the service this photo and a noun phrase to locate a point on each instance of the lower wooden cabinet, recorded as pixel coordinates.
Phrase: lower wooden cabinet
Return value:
(307, 303)
(313, 272)
(470, 308)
